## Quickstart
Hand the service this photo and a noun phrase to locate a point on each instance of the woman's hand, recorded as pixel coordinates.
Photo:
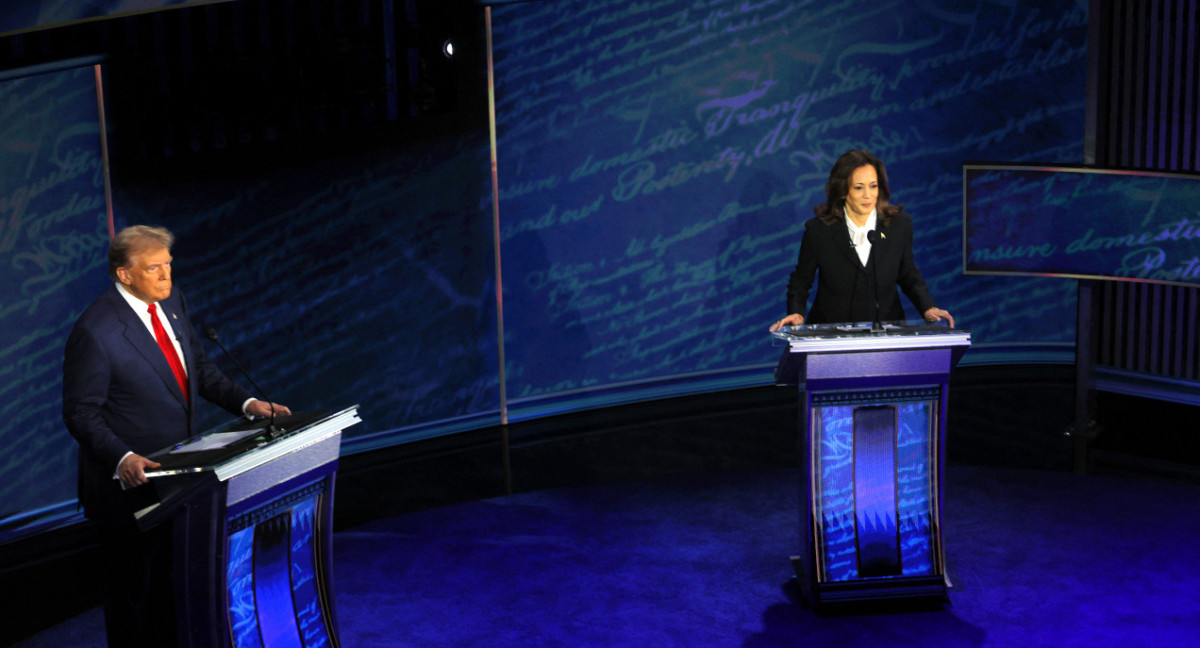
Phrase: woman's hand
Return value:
(936, 314)
(795, 319)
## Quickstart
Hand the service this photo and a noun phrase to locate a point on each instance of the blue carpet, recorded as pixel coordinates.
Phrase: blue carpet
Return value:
(1037, 558)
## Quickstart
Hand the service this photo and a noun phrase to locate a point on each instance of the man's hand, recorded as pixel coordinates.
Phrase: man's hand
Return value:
(263, 409)
(132, 471)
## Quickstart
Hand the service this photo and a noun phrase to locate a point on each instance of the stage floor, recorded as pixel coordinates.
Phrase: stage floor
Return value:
(1036, 558)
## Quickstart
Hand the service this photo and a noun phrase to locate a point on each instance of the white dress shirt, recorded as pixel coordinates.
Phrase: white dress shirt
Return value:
(858, 236)
(143, 312)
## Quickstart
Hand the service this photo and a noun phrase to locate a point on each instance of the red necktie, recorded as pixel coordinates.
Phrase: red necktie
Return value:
(168, 350)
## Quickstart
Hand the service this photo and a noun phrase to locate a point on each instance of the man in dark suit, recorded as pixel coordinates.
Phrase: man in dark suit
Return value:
(133, 368)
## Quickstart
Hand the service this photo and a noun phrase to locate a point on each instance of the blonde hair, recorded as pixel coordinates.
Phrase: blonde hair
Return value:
(133, 240)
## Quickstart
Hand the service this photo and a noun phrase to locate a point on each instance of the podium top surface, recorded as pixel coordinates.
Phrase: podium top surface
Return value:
(225, 448)
(831, 338)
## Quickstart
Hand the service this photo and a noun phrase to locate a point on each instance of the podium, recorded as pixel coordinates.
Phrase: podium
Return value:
(252, 509)
(872, 445)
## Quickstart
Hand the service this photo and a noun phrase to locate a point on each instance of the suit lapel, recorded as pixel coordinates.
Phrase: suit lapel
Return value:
(841, 237)
(881, 249)
(145, 345)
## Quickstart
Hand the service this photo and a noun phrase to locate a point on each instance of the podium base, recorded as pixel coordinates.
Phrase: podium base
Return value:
(870, 595)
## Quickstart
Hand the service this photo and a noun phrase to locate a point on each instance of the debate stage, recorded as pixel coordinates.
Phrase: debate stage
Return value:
(696, 554)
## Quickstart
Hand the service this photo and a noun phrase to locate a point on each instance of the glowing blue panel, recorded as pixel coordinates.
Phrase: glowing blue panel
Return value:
(243, 620)
(310, 613)
(915, 469)
(878, 537)
(834, 488)
(272, 584)
(858, 501)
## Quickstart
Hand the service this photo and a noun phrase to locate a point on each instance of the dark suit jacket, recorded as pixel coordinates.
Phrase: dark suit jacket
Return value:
(844, 284)
(119, 394)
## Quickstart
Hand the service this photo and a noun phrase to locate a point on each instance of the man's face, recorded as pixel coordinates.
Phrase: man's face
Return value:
(148, 275)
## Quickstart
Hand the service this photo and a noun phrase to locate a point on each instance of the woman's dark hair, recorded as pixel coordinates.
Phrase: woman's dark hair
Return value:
(838, 187)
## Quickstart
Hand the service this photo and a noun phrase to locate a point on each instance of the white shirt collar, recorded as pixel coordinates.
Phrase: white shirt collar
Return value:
(143, 312)
(134, 303)
(140, 307)
(858, 235)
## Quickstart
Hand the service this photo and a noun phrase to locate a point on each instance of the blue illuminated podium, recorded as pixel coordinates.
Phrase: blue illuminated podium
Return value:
(252, 515)
(872, 437)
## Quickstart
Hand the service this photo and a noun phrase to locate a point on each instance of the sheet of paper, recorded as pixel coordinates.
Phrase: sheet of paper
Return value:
(213, 441)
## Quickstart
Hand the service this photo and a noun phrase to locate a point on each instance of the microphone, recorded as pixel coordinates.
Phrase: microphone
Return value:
(874, 237)
(273, 431)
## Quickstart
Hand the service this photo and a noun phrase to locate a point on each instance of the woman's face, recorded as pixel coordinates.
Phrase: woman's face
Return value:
(864, 191)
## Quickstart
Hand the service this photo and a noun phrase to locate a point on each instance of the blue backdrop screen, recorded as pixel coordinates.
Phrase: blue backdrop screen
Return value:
(1076, 222)
(658, 160)
(53, 237)
(656, 163)
(22, 15)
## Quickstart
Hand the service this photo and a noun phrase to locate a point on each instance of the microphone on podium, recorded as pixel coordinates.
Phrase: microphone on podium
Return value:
(273, 431)
(875, 237)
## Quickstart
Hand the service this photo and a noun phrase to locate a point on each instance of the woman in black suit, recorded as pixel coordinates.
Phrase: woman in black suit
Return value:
(858, 246)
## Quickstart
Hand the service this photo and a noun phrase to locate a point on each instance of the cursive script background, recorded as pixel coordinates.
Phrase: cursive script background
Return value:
(658, 160)
(656, 163)
(1137, 226)
(53, 235)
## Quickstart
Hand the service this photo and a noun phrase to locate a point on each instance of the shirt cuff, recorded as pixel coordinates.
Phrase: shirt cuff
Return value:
(245, 405)
(117, 471)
